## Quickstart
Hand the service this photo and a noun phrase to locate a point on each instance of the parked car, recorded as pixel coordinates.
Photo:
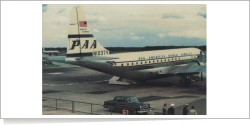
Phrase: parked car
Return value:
(131, 103)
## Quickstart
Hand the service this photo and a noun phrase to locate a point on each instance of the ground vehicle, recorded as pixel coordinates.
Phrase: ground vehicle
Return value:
(130, 103)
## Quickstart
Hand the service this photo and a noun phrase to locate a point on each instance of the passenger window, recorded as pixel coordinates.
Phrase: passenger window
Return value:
(122, 64)
(120, 100)
(128, 99)
(132, 63)
(127, 64)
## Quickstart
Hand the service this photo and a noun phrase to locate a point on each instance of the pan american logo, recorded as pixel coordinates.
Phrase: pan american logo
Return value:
(84, 46)
(163, 56)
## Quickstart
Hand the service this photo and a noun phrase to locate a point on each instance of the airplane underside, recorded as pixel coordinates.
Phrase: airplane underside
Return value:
(131, 75)
(185, 80)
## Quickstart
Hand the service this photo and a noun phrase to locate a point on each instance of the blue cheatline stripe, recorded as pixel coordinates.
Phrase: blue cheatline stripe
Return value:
(80, 36)
(79, 54)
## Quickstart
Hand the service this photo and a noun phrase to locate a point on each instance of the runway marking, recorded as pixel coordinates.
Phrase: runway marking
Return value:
(101, 81)
(53, 85)
(98, 81)
(55, 73)
(70, 84)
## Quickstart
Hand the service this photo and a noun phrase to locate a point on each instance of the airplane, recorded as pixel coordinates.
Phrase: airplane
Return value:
(51, 52)
(131, 67)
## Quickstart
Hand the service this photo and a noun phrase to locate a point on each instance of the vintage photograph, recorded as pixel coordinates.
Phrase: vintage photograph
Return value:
(124, 59)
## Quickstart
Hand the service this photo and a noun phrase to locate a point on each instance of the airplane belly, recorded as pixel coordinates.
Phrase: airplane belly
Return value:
(141, 76)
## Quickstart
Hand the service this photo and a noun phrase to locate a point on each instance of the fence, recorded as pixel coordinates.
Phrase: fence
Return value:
(75, 106)
(98, 109)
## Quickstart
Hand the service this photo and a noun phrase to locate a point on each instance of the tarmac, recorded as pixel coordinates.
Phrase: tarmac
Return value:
(88, 89)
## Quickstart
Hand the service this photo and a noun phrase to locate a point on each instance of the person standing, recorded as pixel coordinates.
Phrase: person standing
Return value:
(164, 109)
(171, 110)
(192, 111)
(185, 110)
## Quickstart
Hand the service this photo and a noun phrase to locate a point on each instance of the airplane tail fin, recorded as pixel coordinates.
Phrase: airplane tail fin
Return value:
(81, 41)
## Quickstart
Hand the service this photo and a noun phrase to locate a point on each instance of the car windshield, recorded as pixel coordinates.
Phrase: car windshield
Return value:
(133, 99)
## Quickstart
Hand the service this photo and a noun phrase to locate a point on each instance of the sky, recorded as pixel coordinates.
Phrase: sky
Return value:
(131, 25)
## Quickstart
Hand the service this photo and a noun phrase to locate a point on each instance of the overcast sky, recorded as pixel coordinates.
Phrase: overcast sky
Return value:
(130, 25)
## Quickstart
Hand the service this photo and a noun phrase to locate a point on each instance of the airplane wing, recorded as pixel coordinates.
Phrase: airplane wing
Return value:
(189, 68)
(177, 69)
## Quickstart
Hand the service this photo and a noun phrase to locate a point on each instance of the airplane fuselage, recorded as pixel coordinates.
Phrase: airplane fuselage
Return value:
(140, 65)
